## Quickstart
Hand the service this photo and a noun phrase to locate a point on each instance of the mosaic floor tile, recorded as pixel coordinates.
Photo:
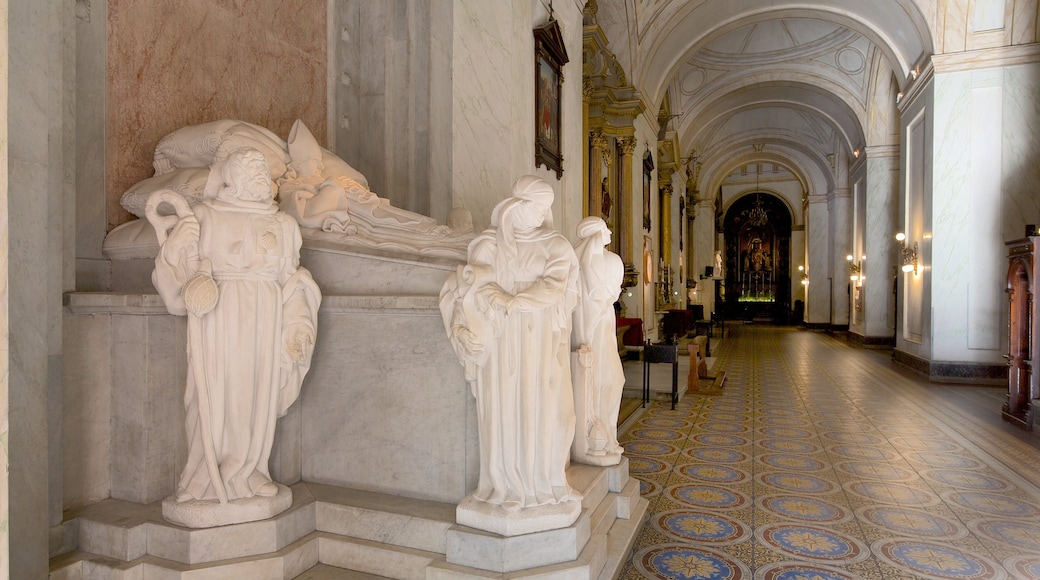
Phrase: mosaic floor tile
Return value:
(821, 461)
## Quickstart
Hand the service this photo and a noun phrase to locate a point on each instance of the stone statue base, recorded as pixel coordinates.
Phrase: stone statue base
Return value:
(211, 513)
(599, 460)
(493, 518)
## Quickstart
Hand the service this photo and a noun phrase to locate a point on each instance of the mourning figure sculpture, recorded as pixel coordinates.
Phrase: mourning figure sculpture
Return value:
(598, 375)
(507, 313)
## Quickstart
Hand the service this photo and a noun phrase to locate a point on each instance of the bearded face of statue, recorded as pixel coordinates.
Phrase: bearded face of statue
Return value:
(247, 177)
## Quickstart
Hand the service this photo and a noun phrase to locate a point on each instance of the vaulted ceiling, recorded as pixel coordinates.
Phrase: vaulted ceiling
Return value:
(782, 82)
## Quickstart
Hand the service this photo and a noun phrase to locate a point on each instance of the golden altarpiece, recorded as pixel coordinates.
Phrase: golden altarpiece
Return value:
(610, 108)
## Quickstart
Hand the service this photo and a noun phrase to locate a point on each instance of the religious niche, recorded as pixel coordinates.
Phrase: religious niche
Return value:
(758, 234)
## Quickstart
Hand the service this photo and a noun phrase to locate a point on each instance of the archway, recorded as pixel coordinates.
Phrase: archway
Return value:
(757, 233)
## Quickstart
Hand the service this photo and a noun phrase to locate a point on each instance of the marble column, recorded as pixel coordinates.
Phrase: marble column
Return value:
(818, 299)
(880, 267)
(666, 224)
(627, 147)
(597, 145)
(799, 291)
(35, 170)
(841, 230)
(703, 251)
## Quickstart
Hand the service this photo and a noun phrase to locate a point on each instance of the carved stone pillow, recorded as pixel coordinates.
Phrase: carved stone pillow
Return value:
(189, 182)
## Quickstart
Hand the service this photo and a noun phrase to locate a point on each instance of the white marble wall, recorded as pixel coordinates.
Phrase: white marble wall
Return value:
(968, 254)
(493, 106)
(988, 195)
(1020, 203)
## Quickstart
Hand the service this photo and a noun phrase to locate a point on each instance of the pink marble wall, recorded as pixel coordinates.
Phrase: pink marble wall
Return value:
(172, 64)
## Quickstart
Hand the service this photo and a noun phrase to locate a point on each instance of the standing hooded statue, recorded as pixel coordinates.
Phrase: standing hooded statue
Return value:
(507, 313)
(231, 264)
(599, 377)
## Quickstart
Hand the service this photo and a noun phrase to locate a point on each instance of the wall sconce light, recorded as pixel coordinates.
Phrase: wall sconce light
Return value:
(855, 153)
(909, 254)
(855, 269)
(899, 97)
(914, 73)
(805, 275)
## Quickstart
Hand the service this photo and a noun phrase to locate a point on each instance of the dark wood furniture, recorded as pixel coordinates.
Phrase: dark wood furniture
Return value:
(660, 353)
(1023, 388)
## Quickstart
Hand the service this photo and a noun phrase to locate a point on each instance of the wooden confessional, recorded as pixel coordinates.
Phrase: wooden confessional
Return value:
(1023, 388)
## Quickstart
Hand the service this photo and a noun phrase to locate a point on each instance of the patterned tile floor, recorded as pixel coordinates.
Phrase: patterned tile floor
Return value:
(823, 461)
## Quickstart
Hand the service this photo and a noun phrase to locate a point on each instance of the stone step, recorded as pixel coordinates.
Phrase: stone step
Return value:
(352, 531)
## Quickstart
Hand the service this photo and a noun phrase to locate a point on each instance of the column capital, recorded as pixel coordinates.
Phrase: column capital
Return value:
(627, 144)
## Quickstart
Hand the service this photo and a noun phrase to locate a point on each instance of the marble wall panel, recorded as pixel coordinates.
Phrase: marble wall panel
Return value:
(148, 443)
(1021, 173)
(386, 408)
(493, 106)
(985, 259)
(485, 105)
(87, 409)
(177, 64)
(967, 212)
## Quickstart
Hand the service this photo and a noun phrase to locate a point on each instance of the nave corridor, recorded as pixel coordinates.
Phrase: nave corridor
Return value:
(820, 460)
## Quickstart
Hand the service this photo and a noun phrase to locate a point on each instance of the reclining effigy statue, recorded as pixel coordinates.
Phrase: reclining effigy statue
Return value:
(329, 199)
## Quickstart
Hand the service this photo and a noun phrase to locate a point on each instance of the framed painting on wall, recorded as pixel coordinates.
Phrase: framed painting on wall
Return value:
(549, 58)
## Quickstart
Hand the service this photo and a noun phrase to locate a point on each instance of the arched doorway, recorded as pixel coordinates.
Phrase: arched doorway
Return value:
(757, 232)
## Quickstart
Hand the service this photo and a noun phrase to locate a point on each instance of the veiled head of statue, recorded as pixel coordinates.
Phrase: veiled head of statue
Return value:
(534, 189)
(247, 177)
(529, 207)
(592, 226)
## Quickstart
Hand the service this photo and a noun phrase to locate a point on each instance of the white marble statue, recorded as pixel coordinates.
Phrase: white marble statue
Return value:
(507, 313)
(598, 375)
(330, 199)
(231, 265)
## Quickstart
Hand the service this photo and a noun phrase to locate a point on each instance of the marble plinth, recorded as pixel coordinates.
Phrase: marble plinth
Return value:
(494, 518)
(508, 553)
(210, 513)
(372, 533)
